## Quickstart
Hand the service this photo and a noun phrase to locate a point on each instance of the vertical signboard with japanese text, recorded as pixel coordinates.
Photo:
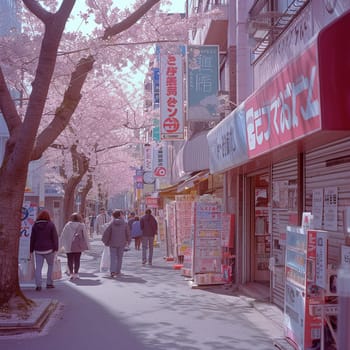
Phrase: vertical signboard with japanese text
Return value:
(171, 97)
(160, 160)
(155, 88)
(202, 82)
(147, 158)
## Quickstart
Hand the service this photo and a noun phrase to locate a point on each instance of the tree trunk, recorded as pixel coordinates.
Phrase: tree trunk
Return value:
(12, 190)
(80, 167)
(85, 190)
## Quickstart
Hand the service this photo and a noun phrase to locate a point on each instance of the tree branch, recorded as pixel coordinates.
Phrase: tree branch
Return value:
(34, 7)
(64, 112)
(7, 106)
(129, 21)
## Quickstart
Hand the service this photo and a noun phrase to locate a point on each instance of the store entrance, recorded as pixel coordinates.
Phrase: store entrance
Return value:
(260, 237)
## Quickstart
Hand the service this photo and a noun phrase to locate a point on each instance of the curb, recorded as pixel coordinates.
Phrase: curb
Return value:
(29, 323)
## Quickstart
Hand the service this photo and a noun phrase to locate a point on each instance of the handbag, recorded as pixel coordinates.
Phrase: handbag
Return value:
(105, 259)
(78, 243)
(26, 271)
(57, 269)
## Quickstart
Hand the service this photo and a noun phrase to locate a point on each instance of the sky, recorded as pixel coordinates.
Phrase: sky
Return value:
(177, 6)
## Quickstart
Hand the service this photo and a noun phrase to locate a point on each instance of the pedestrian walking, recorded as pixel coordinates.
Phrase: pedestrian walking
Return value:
(116, 237)
(149, 227)
(44, 243)
(73, 241)
(131, 219)
(136, 232)
(101, 220)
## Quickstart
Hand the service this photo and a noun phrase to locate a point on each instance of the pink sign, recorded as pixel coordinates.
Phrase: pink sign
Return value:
(286, 108)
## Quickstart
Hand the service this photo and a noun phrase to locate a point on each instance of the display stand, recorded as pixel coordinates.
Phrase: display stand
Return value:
(306, 313)
(227, 244)
(207, 252)
(170, 231)
(184, 232)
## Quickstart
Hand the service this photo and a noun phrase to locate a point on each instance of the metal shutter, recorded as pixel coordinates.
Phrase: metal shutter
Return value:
(329, 166)
(283, 174)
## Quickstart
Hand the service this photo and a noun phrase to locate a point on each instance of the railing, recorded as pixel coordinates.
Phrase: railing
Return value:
(270, 21)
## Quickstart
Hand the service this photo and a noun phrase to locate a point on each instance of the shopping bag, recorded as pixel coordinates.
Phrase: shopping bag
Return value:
(57, 270)
(105, 260)
(26, 271)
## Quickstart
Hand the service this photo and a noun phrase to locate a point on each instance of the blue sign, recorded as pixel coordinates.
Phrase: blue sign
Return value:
(203, 82)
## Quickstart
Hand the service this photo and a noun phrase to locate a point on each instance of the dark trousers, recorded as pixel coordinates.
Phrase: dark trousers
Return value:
(73, 262)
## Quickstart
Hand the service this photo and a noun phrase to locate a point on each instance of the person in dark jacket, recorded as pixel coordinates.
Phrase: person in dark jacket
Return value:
(136, 232)
(149, 227)
(116, 237)
(44, 243)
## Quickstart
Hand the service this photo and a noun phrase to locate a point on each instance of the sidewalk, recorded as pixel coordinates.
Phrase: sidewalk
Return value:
(142, 296)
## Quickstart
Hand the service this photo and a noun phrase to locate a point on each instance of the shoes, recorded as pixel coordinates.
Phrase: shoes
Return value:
(74, 276)
(113, 274)
(38, 289)
(143, 262)
(50, 286)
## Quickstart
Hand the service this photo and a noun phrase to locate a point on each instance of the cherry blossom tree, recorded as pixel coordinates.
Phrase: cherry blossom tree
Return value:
(49, 68)
(100, 123)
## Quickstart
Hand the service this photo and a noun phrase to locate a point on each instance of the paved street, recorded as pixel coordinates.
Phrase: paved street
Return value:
(146, 308)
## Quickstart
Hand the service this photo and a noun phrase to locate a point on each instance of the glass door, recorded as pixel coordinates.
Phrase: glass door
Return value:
(260, 222)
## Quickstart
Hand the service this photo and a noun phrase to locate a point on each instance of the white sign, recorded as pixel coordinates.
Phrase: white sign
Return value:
(29, 213)
(160, 160)
(147, 165)
(317, 207)
(321, 259)
(331, 208)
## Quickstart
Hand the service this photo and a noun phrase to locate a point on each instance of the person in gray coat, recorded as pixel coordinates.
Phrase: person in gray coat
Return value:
(116, 236)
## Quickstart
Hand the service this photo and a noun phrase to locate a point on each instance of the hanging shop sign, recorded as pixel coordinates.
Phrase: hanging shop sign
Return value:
(160, 160)
(227, 142)
(156, 130)
(147, 157)
(203, 82)
(171, 97)
(155, 88)
(152, 202)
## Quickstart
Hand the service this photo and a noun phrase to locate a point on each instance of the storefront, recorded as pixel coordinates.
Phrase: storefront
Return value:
(281, 149)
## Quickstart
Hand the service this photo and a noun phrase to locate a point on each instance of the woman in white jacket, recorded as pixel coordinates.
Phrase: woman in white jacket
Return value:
(73, 241)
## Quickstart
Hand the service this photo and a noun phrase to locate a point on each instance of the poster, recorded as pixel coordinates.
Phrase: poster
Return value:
(317, 207)
(29, 214)
(331, 208)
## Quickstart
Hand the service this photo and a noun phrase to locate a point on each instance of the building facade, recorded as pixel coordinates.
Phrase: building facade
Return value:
(284, 148)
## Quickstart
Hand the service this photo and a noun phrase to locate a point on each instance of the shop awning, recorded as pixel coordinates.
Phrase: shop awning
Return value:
(193, 156)
(191, 181)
